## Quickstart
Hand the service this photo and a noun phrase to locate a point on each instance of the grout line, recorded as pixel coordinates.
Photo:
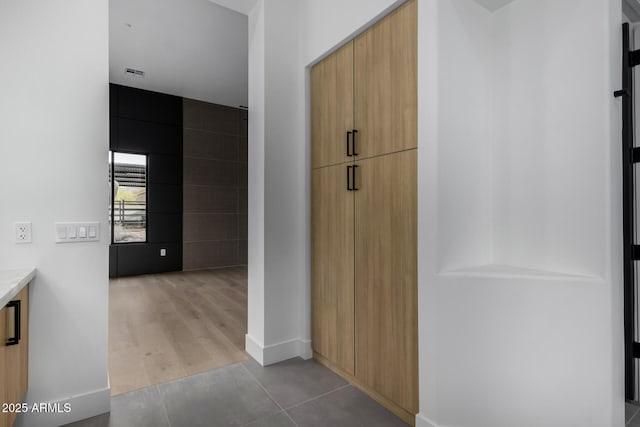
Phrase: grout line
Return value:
(634, 414)
(214, 159)
(214, 213)
(319, 396)
(213, 132)
(212, 240)
(255, 422)
(164, 407)
(269, 394)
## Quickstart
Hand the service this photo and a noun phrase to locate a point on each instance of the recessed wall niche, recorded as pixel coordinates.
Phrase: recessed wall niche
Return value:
(524, 179)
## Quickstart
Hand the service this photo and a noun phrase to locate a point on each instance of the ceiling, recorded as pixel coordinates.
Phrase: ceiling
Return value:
(242, 6)
(190, 48)
(493, 5)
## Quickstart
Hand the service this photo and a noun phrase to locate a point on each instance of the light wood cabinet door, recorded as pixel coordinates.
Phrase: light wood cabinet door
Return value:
(386, 82)
(4, 417)
(16, 357)
(23, 381)
(332, 107)
(386, 277)
(332, 266)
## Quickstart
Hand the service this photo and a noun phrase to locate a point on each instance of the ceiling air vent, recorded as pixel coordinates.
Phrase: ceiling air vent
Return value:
(134, 72)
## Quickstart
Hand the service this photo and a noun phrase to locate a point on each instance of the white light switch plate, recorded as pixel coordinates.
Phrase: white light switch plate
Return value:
(76, 232)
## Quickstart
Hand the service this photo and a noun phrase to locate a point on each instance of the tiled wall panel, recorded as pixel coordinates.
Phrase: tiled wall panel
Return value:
(215, 186)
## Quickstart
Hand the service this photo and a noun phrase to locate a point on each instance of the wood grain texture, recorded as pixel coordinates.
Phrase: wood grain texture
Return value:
(24, 344)
(4, 417)
(331, 107)
(386, 277)
(386, 83)
(167, 326)
(332, 266)
(16, 357)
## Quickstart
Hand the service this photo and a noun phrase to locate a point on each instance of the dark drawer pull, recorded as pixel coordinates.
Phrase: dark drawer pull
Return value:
(353, 178)
(16, 323)
(353, 143)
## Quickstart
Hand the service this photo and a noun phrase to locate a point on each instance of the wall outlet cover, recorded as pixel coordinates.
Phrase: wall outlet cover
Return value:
(23, 232)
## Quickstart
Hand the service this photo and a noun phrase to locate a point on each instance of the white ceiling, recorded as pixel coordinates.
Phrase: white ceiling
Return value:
(190, 48)
(493, 5)
(242, 6)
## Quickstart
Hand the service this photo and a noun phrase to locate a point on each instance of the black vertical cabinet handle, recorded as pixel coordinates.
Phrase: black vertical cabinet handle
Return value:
(349, 178)
(16, 323)
(353, 143)
(348, 140)
(353, 180)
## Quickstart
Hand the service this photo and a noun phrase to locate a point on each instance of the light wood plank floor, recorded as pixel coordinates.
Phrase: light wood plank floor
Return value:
(168, 326)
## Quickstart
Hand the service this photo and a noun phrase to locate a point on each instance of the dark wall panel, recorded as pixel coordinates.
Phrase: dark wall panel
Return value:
(165, 228)
(144, 258)
(145, 137)
(113, 261)
(164, 169)
(150, 123)
(146, 106)
(164, 198)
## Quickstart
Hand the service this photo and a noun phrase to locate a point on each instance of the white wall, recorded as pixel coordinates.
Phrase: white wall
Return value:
(53, 151)
(552, 195)
(190, 48)
(278, 237)
(537, 339)
(242, 6)
(255, 250)
(285, 192)
(465, 154)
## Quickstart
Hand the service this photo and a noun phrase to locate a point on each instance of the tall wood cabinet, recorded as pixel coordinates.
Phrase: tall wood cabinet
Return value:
(364, 211)
(14, 358)
(332, 107)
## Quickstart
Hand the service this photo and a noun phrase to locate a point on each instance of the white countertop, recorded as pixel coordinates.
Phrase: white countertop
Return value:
(12, 282)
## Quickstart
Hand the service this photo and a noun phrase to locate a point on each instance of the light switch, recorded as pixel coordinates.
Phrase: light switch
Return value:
(62, 232)
(77, 232)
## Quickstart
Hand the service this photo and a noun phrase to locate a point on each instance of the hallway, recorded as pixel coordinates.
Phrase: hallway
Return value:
(167, 326)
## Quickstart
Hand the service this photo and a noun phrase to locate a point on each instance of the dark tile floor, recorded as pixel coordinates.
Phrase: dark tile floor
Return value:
(288, 394)
(632, 417)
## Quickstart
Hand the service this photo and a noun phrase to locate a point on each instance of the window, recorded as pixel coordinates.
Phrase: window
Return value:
(128, 207)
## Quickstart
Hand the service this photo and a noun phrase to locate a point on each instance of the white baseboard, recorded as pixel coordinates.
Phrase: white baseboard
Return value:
(274, 353)
(423, 421)
(254, 348)
(82, 406)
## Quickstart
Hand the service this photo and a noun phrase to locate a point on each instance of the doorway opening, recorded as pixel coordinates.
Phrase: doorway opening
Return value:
(178, 190)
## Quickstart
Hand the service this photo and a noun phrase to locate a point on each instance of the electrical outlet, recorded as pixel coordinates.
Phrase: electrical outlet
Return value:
(23, 232)
(163, 252)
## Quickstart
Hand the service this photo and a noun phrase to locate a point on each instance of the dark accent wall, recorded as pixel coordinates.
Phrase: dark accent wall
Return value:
(215, 185)
(150, 123)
